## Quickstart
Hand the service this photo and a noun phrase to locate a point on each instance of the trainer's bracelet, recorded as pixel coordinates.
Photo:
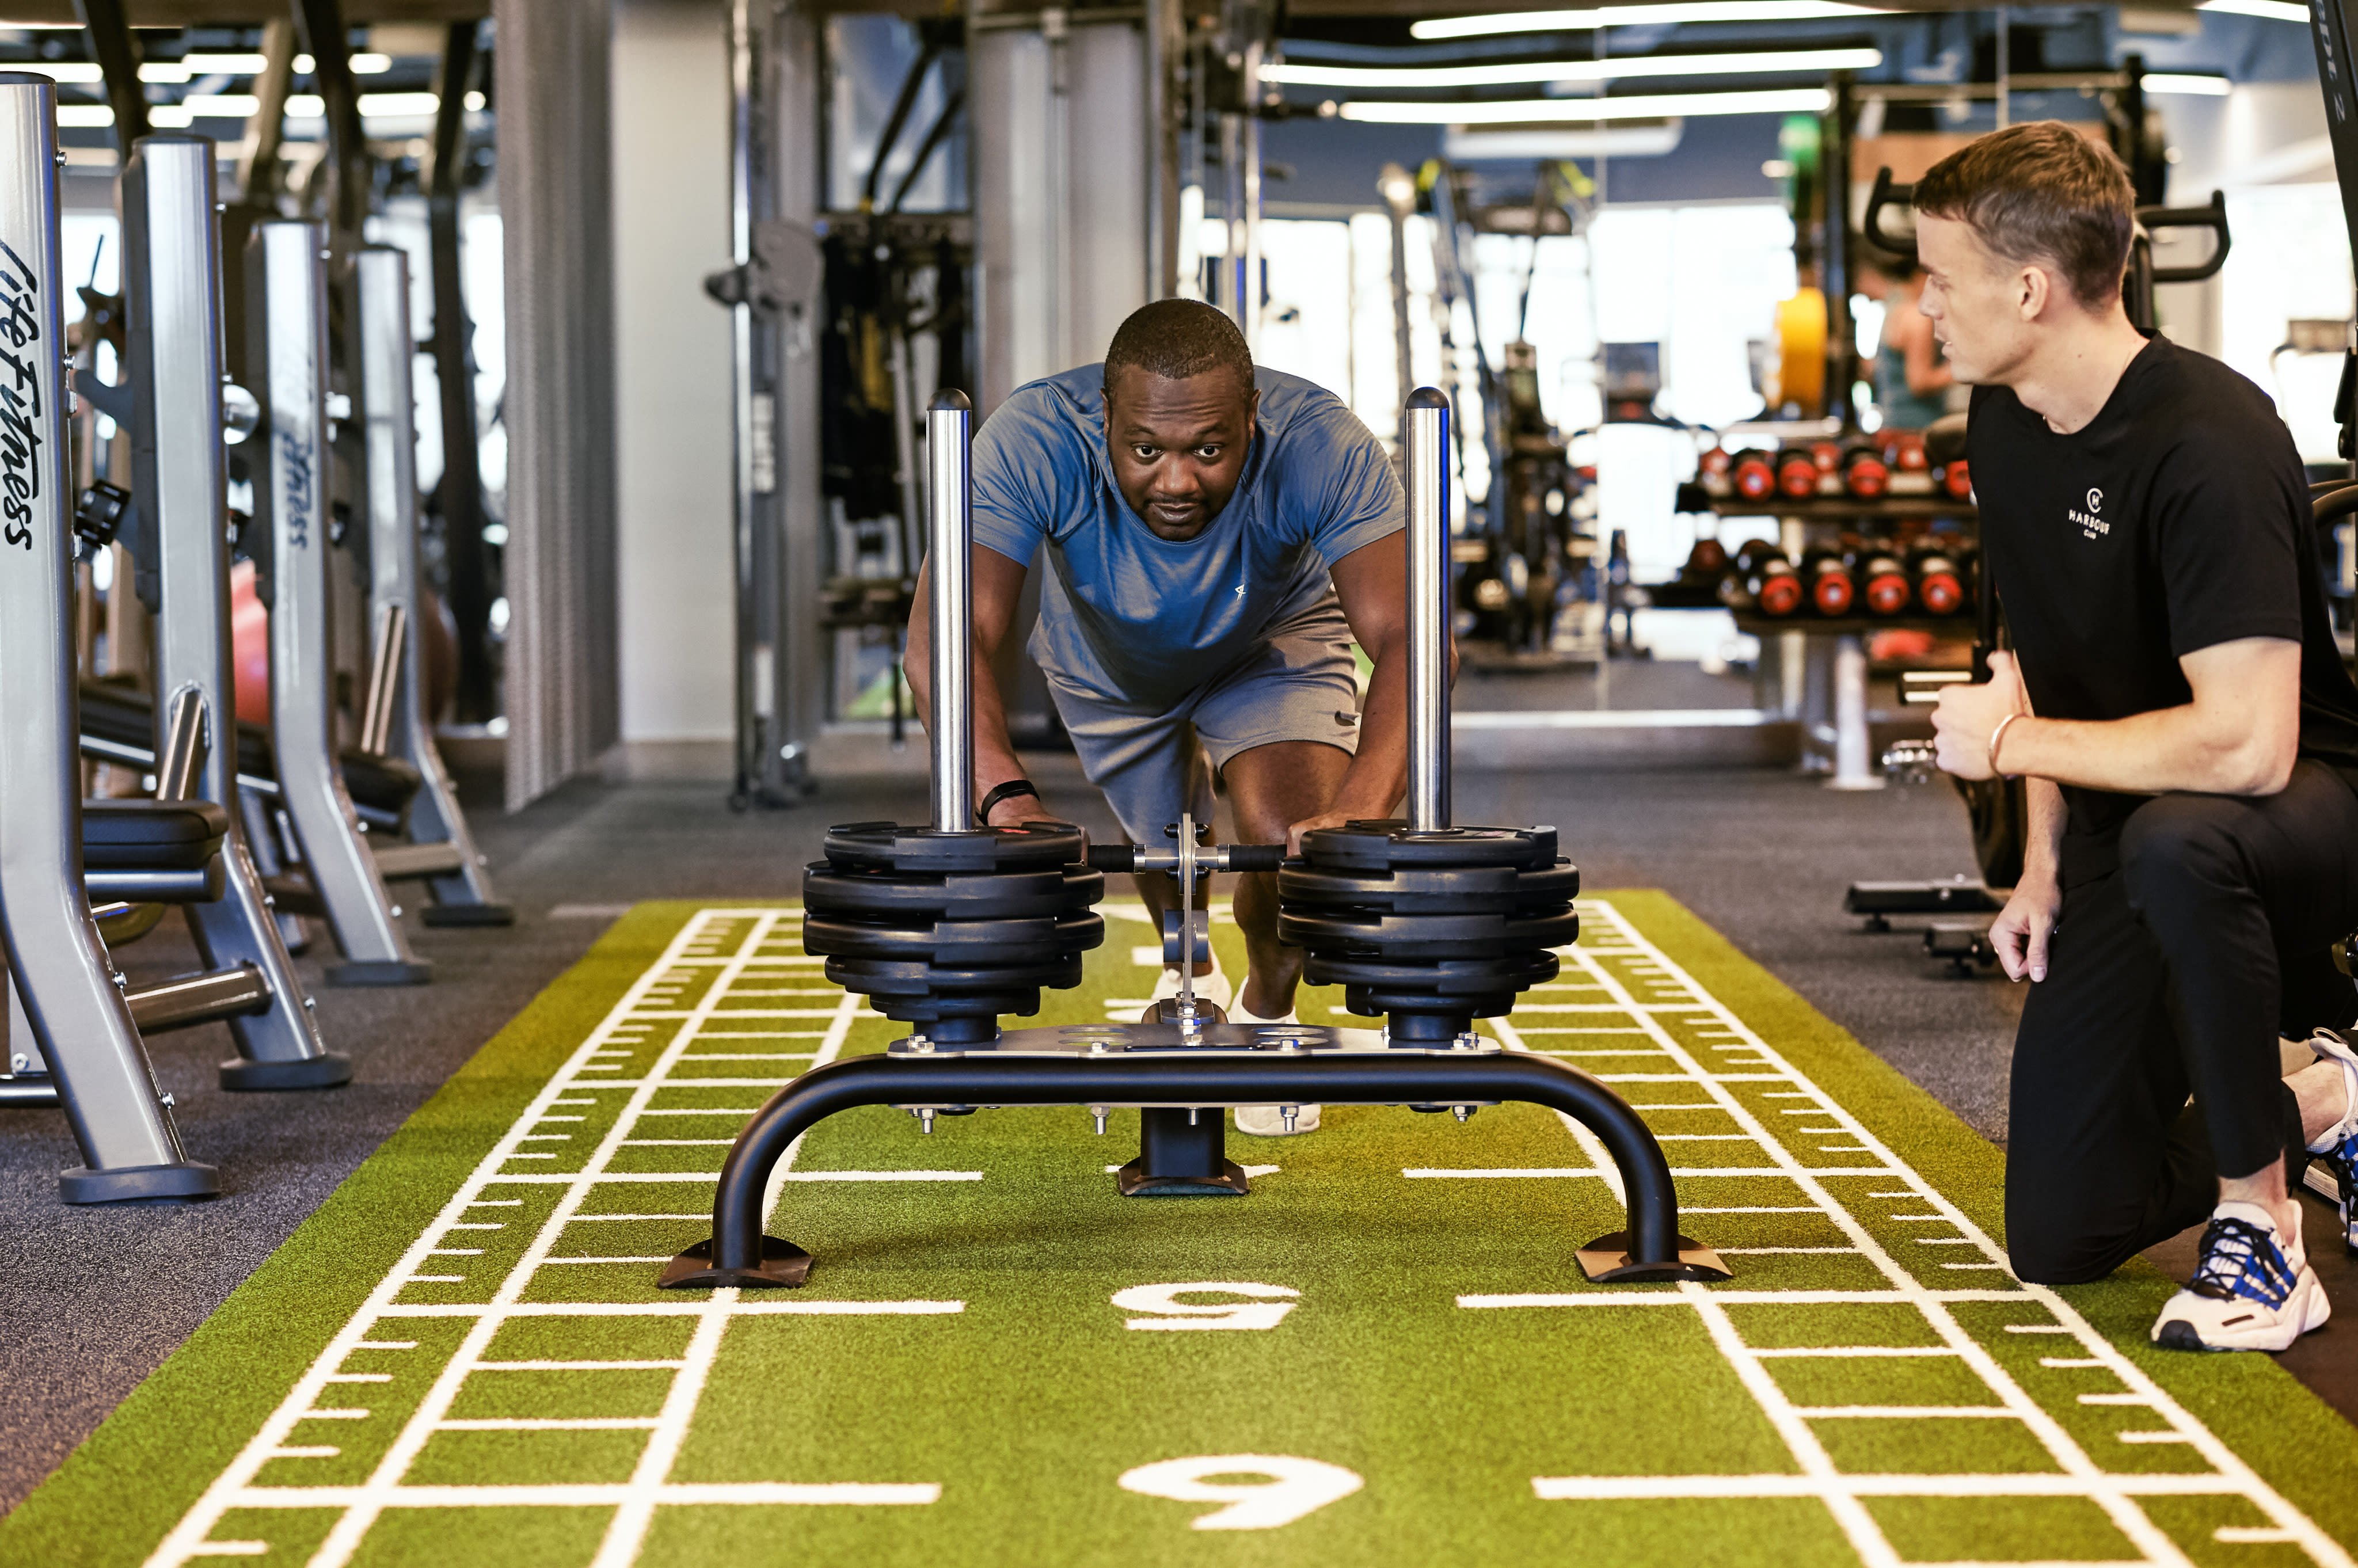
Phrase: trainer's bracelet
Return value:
(1995, 736)
(999, 793)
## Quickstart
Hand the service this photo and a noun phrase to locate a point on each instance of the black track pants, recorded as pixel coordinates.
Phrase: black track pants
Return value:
(2177, 960)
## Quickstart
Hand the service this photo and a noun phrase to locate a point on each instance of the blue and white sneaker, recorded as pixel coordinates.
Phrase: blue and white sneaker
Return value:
(2338, 1147)
(2251, 1290)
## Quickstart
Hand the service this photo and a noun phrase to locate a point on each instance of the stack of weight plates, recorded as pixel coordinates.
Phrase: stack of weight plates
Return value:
(947, 931)
(1435, 929)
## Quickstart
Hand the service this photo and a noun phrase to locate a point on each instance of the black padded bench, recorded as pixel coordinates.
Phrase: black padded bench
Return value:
(153, 851)
(118, 725)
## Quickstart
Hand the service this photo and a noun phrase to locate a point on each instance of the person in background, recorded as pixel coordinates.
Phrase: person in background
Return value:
(1912, 375)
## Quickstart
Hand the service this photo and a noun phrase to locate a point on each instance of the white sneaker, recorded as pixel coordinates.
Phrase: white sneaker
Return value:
(1212, 987)
(1241, 1013)
(2251, 1290)
(1265, 1120)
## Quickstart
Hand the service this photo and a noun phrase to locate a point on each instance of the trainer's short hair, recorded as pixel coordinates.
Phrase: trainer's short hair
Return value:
(1177, 339)
(2041, 191)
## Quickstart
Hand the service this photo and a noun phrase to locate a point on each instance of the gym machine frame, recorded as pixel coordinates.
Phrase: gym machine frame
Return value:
(74, 1024)
(287, 316)
(1181, 1073)
(172, 297)
(441, 851)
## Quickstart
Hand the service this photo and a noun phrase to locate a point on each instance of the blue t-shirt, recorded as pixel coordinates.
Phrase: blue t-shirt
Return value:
(1135, 618)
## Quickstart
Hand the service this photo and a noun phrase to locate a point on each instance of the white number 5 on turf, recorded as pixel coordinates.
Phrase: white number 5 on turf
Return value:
(1266, 1309)
(1292, 1487)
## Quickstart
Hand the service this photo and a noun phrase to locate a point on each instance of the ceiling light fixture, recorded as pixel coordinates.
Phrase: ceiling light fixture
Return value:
(2189, 86)
(1638, 15)
(1578, 111)
(1523, 71)
(2274, 10)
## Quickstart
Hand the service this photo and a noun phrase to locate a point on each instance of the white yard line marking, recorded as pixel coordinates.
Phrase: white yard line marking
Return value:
(694, 953)
(2081, 1474)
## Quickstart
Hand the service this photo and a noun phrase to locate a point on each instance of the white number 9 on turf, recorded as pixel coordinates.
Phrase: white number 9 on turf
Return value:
(1289, 1488)
(1266, 1308)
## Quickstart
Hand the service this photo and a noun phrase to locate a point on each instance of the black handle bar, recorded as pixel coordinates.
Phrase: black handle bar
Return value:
(2212, 216)
(1888, 194)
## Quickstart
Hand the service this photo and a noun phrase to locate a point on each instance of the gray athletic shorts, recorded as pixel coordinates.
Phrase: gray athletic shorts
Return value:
(1155, 762)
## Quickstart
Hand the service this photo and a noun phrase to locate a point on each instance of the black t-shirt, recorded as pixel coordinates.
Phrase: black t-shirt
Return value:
(2176, 519)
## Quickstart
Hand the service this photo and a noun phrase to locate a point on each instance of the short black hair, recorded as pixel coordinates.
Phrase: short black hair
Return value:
(1177, 339)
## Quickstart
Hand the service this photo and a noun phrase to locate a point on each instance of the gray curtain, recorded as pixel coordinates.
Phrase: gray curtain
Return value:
(554, 178)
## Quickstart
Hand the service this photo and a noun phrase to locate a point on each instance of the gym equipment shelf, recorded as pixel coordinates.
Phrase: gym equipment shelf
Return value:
(1759, 625)
(1834, 508)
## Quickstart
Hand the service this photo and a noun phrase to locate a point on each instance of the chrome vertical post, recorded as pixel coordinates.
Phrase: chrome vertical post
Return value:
(286, 316)
(388, 411)
(1424, 426)
(172, 291)
(76, 1016)
(949, 433)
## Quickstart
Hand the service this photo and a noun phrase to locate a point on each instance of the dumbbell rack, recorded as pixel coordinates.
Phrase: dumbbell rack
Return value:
(1451, 937)
(1851, 743)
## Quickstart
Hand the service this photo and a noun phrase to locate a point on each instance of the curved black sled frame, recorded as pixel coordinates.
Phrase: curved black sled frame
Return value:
(1649, 1249)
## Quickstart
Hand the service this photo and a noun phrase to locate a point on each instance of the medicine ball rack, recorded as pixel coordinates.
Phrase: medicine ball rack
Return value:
(950, 925)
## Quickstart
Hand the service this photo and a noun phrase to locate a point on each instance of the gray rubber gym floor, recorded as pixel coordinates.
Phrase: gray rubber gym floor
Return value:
(92, 1300)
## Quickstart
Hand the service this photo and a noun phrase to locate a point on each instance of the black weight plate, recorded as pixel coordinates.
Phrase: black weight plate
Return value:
(1386, 845)
(955, 943)
(961, 895)
(889, 847)
(1445, 979)
(1466, 890)
(1375, 1004)
(1403, 938)
(878, 976)
(984, 943)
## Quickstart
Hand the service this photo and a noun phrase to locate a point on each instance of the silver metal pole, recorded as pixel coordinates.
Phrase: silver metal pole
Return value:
(756, 687)
(392, 646)
(62, 975)
(388, 411)
(171, 284)
(186, 744)
(287, 321)
(1249, 298)
(949, 434)
(1424, 429)
(1399, 189)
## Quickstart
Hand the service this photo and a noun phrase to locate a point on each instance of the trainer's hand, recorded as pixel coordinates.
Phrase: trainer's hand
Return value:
(1312, 824)
(2020, 933)
(1968, 715)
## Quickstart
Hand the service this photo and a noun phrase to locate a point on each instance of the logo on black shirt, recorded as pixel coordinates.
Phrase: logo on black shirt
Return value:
(2090, 525)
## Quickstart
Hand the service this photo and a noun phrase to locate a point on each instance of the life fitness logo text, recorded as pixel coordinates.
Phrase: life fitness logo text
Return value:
(21, 398)
(2090, 525)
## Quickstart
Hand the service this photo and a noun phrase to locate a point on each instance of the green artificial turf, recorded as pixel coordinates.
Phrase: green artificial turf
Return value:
(976, 1395)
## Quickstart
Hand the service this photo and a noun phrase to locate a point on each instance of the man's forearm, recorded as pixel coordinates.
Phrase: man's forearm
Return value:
(2042, 839)
(994, 751)
(2170, 749)
(1377, 776)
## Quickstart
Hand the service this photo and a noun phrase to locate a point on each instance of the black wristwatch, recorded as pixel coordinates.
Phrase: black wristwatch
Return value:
(999, 793)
